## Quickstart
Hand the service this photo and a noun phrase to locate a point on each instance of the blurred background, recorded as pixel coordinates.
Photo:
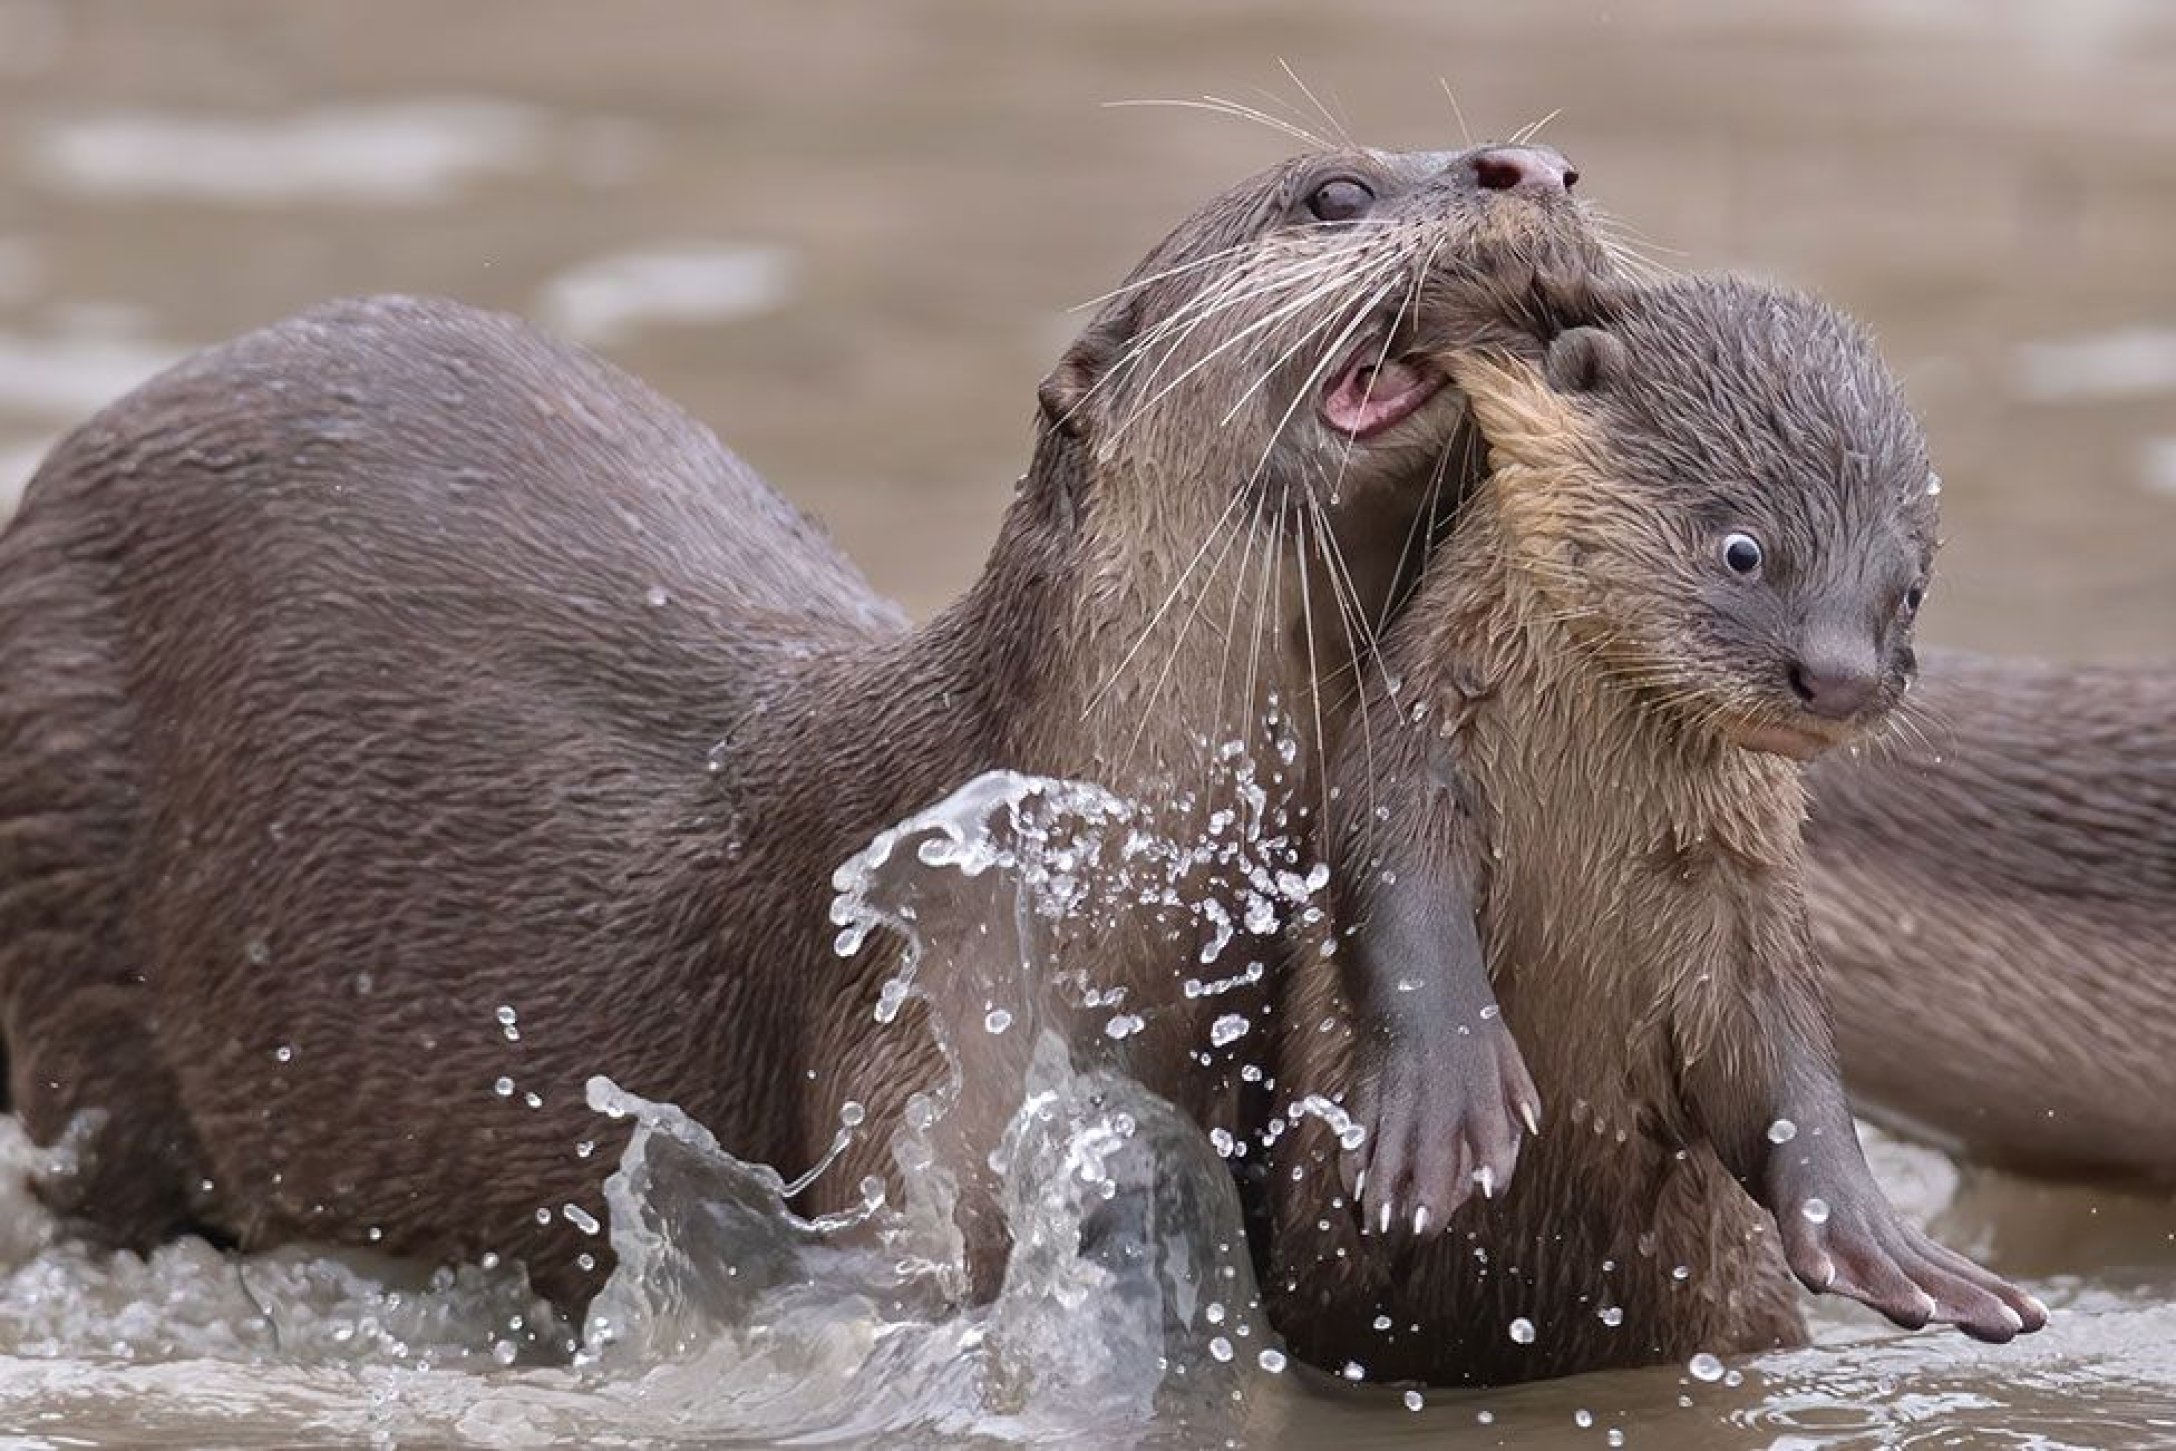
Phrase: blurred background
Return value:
(848, 237)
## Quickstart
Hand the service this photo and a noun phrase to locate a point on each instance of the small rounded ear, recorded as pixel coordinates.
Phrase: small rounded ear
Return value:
(1090, 358)
(1583, 359)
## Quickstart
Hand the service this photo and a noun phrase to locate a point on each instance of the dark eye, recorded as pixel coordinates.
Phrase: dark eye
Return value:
(1341, 200)
(1912, 597)
(1741, 553)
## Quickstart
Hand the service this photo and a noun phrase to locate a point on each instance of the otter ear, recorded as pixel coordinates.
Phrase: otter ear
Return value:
(1583, 359)
(1064, 394)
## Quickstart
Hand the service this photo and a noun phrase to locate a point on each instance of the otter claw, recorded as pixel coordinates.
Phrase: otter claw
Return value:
(1443, 1123)
(1900, 1273)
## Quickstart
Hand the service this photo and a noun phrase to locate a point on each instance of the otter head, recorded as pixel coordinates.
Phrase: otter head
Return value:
(1257, 414)
(1725, 492)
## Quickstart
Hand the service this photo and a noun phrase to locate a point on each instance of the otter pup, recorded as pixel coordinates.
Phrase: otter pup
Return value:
(1694, 564)
(405, 716)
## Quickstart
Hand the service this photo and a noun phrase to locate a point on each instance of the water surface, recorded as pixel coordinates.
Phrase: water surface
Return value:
(850, 240)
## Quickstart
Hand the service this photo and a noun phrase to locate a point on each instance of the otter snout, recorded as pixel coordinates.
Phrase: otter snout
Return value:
(1531, 171)
(1835, 679)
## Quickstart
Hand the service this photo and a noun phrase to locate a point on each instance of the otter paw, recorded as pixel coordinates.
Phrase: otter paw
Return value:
(1443, 1123)
(1865, 1253)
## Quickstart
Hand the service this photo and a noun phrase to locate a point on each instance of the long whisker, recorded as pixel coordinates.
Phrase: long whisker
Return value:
(1220, 106)
(1528, 132)
(1337, 127)
(1268, 320)
(1465, 132)
(1163, 607)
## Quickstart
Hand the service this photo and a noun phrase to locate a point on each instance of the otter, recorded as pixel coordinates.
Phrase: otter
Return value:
(1694, 563)
(1994, 893)
(405, 716)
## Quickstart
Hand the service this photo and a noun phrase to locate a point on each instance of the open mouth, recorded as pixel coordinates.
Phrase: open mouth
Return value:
(1373, 391)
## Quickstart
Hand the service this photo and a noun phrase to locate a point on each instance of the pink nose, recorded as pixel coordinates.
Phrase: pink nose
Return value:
(1534, 171)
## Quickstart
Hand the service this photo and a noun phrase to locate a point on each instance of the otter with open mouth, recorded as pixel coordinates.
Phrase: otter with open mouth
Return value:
(398, 667)
(1575, 879)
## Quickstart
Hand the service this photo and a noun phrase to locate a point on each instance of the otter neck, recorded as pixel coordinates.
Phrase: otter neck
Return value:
(1561, 715)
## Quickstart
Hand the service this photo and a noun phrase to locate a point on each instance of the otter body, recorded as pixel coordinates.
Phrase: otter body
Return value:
(1582, 897)
(1995, 893)
(396, 677)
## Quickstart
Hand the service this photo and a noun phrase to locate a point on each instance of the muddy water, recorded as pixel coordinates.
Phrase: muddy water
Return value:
(849, 238)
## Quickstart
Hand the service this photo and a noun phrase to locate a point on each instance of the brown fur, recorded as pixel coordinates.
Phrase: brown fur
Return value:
(1994, 889)
(1637, 878)
(397, 663)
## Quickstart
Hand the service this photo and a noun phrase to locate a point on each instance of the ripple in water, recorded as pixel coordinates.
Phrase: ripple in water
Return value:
(1128, 1313)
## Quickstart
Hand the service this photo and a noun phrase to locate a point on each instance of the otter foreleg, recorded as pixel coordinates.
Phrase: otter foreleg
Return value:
(1777, 1116)
(1439, 1083)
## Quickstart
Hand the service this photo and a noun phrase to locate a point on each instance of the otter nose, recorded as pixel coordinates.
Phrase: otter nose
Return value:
(1835, 684)
(1534, 171)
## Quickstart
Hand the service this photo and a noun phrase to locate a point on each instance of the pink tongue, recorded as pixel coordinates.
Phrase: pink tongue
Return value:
(1367, 399)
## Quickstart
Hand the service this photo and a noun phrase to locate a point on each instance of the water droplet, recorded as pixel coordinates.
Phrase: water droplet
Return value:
(504, 1088)
(532, 1100)
(1612, 1316)
(258, 951)
(1522, 1331)
(1272, 1361)
(1354, 1370)
(1782, 1131)
(506, 1016)
(503, 1352)
(1681, 1272)
(1382, 1322)
(585, 1148)
(283, 1053)
(1583, 1418)
(1486, 1418)
(1220, 1348)
(543, 1215)
(1815, 1211)
(580, 1218)
(489, 1260)
(1222, 1141)
(1705, 1367)
(1125, 1025)
(1615, 1436)
(1414, 1400)
(586, 1260)
(997, 1020)
(658, 597)
(1228, 1029)
(852, 1113)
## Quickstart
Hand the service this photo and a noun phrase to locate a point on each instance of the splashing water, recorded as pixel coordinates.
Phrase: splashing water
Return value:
(1128, 1313)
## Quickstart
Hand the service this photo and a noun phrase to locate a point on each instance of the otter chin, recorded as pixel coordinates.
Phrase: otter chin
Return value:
(1798, 741)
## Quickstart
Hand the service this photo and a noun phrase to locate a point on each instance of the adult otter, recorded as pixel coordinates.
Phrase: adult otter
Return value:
(1697, 556)
(396, 681)
(1995, 894)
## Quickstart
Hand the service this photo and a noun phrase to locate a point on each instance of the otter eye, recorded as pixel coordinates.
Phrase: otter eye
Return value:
(1341, 200)
(1741, 553)
(1912, 598)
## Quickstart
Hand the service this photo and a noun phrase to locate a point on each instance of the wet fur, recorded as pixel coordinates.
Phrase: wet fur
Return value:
(335, 714)
(1568, 772)
(1994, 889)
